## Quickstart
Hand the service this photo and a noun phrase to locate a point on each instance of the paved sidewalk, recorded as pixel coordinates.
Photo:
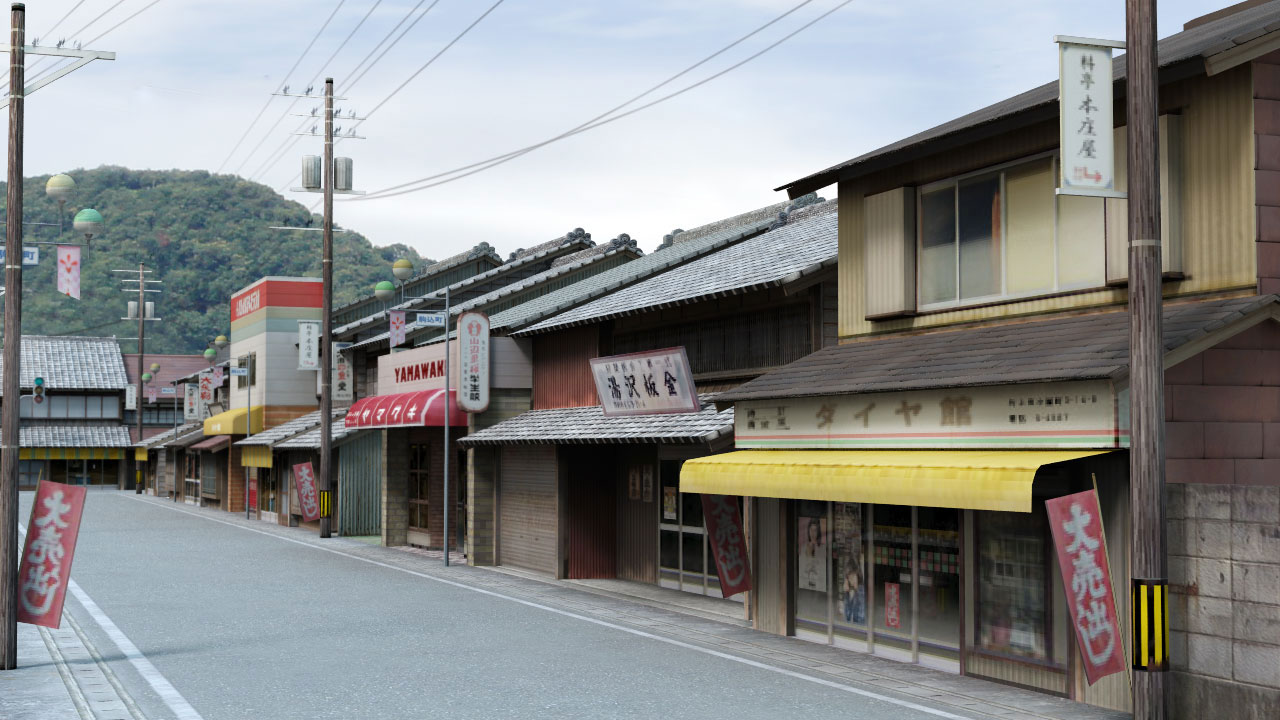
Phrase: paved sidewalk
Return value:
(61, 676)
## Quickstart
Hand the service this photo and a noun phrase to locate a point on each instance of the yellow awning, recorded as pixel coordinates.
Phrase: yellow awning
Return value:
(258, 456)
(232, 422)
(970, 479)
(72, 453)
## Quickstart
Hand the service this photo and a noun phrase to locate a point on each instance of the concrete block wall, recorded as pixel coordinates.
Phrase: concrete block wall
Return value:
(395, 487)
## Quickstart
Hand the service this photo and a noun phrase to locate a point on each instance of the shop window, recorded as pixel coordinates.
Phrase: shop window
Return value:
(1013, 588)
(892, 562)
(685, 560)
(419, 471)
(813, 564)
(938, 546)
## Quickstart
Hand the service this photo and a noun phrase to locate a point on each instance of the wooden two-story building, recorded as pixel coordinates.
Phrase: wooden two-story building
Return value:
(899, 477)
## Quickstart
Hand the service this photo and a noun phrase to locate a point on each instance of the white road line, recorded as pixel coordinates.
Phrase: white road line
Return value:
(167, 692)
(584, 618)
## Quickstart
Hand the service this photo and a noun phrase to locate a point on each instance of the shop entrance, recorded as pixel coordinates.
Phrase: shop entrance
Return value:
(685, 559)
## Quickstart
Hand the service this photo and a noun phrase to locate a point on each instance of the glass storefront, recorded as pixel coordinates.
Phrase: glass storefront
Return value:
(1012, 593)
(684, 555)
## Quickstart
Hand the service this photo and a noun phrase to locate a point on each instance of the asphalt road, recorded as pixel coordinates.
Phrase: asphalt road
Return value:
(249, 625)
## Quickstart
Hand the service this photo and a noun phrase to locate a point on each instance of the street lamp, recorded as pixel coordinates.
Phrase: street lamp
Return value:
(403, 270)
(59, 188)
(89, 222)
(220, 341)
(384, 291)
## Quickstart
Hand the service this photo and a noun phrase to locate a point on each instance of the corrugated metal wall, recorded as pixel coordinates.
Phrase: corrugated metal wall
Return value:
(593, 533)
(527, 519)
(561, 373)
(359, 485)
(638, 521)
(1217, 204)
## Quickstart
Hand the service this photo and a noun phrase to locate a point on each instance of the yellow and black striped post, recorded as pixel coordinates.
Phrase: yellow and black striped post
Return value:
(1151, 624)
(324, 503)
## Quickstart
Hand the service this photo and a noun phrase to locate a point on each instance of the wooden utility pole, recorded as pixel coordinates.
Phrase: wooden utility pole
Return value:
(139, 479)
(1146, 363)
(326, 323)
(12, 350)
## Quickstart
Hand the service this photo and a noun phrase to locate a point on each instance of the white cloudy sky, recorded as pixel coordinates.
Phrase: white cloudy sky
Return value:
(191, 75)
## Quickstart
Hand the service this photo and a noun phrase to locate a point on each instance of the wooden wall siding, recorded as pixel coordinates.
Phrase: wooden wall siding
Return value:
(1266, 119)
(1217, 214)
(359, 485)
(767, 338)
(769, 570)
(830, 313)
(527, 526)
(1017, 673)
(637, 521)
(561, 373)
(482, 476)
(593, 532)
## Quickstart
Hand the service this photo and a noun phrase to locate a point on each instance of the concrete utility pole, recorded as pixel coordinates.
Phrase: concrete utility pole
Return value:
(326, 323)
(1146, 375)
(12, 347)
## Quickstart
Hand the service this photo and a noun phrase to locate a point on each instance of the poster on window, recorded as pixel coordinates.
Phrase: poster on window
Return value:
(728, 543)
(892, 616)
(1076, 524)
(814, 565)
(850, 572)
(670, 498)
(45, 569)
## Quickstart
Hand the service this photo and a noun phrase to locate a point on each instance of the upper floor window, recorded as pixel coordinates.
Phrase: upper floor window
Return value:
(72, 407)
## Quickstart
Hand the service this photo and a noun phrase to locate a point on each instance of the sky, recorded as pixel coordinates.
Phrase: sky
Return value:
(191, 75)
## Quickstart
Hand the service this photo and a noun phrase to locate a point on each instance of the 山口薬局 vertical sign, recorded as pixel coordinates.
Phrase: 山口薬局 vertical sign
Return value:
(308, 344)
(473, 356)
(646, 383)
(1086, 117)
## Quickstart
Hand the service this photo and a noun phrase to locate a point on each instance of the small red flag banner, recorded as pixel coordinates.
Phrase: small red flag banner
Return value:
(45, 570)
(1076, 523)
(308, 498)
(728, 544)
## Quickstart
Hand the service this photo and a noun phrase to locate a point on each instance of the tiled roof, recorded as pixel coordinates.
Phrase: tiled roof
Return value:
(482, 250)
(72, 363)
(621, 276)
(173, 368)
(588, 425)
(77, 436)
(1196, 44)
(1075, 347)
(163, 438)
(781, 256)
(310, 440)
(271, 436)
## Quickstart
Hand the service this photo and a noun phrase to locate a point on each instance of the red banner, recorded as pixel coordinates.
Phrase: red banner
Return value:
(45, 570)
(728, 544)
(1076, 522)
(308, 498)
(892, 616)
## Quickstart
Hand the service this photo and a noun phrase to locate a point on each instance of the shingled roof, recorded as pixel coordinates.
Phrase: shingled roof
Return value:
(1075, 347)
(272, 435)
(588, 425)
(72, 363)
(76, 436)
(784, 255)
(1194, 47)
(310, 440)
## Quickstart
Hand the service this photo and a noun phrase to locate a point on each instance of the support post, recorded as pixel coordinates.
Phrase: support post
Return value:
(138, 402)
(1146, 454)
(12, 352)
(326, 321)
(448, 387)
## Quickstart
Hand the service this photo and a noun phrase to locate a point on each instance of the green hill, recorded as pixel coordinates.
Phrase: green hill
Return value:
(205, 236)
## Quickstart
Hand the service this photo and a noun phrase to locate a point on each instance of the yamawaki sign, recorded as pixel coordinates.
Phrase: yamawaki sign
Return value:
(45, 570)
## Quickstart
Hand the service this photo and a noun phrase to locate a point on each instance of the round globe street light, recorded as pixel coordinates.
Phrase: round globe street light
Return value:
(210, 355)
(89, 222)
(146, 377)
(220, 341)
(402, 269)
(59, 188)
(384, 290)
(155, 367)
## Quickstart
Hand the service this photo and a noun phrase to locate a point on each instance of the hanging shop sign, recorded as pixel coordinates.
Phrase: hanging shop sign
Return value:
(1076, 523)
(217, 376)
(152, 394)
(728, 543)
(308, 344)
(50, 546)
(191, 402)
(131, 397)
(1038, 415)
(397, 327)
(646, 383)
(69, 270)
(206, 388)
(1086, 117)
(342, 384)
(473, 361)
(304, 477)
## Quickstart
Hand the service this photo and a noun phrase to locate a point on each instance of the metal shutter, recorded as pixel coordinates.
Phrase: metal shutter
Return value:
(527, 502)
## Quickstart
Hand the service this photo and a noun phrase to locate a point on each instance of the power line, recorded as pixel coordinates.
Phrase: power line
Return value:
(357, 69)
(40, 61)
(63, 19)
(483, 165)
(104, 33)
(286, 79)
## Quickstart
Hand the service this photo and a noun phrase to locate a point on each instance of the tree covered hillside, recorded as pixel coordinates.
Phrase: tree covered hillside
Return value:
(204, 235)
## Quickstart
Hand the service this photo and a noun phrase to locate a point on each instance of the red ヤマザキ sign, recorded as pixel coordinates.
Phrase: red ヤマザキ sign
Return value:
(728, 544)
(308, 497)
(1076, 522)
(45, 570)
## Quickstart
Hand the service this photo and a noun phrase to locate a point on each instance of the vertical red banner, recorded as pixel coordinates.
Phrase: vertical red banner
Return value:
(892, 615)
(728, 543)
(45, 570)
(308, 498)
(1076, 523)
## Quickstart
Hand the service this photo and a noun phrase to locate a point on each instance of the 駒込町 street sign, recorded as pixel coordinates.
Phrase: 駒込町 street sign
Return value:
(30, 255)
(433, 319)
(473, 356)
(647, 383)
(169, 390)
(239, 372)
(1087, 156)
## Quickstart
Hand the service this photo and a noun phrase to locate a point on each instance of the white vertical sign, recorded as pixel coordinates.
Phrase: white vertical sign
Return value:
(206, 389)
(343, 387)
(191, 401)
(1086, 117)
(473, 356)
(131, 397)
(308, 344)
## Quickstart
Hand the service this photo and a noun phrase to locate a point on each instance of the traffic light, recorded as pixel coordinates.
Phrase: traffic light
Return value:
(37, 395)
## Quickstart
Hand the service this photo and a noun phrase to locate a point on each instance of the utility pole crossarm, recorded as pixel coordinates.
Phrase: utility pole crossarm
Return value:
(83, 57)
